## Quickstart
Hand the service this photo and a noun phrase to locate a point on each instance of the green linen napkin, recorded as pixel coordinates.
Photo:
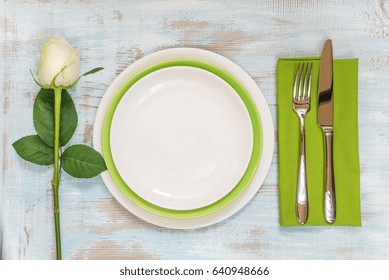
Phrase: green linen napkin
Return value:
(346, 156)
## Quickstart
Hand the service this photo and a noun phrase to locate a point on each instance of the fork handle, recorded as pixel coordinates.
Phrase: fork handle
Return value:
(329, 183)
(302, 193)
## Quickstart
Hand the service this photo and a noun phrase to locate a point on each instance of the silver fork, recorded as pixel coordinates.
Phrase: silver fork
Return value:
(301, 105)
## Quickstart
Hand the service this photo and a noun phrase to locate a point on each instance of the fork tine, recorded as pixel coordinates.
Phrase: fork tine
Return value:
(296, 82)
(310, 80)
(301, 82)
(305, 78)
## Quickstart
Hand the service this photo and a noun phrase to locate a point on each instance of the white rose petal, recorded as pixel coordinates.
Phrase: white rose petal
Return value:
(58, 55)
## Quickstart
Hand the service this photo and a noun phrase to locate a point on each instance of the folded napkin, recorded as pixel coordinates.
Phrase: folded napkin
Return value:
(346, 157)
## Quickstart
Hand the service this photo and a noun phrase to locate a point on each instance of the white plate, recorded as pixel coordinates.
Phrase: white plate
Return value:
(267, 129)
(181, 138)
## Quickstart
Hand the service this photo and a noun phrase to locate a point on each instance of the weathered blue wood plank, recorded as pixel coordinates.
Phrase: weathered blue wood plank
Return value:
(253, 34)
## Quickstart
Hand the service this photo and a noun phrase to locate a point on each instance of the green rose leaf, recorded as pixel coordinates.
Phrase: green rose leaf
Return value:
(44, 117)
(33, 149)
(81, 161)
(95, 70)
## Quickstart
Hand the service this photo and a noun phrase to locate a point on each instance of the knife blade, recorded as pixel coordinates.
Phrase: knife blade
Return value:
(325, 119)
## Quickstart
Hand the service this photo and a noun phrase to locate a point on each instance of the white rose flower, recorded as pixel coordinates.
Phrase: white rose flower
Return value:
(59, 63)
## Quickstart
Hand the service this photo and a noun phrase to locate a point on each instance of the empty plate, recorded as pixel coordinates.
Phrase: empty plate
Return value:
(182, 138)
(115, 127)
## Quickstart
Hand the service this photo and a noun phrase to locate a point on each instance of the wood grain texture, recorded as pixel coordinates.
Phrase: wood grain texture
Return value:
(253, 34)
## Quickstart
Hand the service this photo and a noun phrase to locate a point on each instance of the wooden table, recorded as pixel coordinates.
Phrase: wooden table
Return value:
(253, 34)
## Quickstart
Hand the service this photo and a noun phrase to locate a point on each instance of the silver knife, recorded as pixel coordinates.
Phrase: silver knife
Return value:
(325, 119)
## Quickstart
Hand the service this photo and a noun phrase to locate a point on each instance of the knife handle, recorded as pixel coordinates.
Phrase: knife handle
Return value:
(329, 183)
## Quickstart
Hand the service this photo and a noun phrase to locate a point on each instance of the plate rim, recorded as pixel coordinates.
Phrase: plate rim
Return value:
(268, 139)
(256, 150)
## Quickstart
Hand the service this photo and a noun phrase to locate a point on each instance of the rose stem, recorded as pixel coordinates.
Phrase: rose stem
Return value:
(57, 174)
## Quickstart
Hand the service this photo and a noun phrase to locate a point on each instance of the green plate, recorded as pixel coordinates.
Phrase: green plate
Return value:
(247, 176)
